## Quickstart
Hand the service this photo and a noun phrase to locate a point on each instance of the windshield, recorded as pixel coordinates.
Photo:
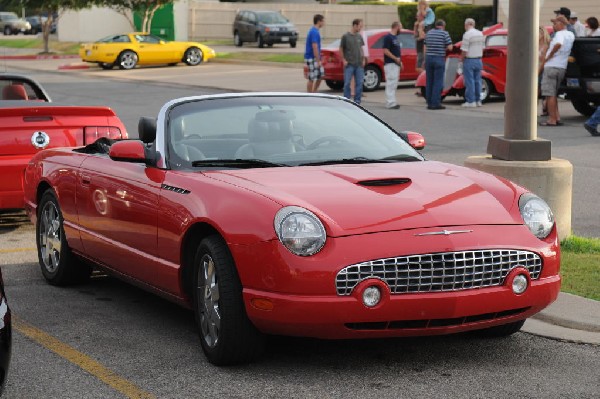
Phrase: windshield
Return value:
(281, 130)
(10, 17)
(272, 18)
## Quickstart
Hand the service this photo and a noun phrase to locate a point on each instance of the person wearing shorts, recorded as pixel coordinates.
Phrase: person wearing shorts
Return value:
(555, 67)
(312, 55)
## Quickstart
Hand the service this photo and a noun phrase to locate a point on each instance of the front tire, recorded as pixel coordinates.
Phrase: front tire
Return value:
(501, 331)
(372, 78)
(227, 336)
(127, 59)
(193, 56)
(293, 44)
(237, 40)
(334, 84)
(7, 31)
(59, 265)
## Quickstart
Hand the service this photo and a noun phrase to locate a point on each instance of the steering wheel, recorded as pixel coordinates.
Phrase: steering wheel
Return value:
(327, 140)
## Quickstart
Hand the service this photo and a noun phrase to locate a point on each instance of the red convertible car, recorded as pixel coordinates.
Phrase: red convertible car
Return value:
(304, 215)
(29, 123)
(493, 75)
(374, 73)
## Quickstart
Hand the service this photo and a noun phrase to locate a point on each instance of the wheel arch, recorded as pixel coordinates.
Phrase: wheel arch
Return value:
(42, 187)
(191, 239)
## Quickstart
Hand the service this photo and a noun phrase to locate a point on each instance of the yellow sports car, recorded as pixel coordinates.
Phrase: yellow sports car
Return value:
(130, 49)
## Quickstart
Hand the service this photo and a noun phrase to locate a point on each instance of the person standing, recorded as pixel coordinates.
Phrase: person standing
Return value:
(577, 26)
(392, 64)
(437, 41)
(592, 23)
(555, 67)
(565, 12)
(312, 54)
(472, 51)
(353, 59)
(592, 125)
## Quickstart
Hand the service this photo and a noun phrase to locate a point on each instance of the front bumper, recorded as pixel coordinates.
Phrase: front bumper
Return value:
(280, 37)
(303, 299)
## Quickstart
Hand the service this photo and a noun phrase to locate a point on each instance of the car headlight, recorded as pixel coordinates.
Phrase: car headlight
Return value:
(536, 214)
(299, 230)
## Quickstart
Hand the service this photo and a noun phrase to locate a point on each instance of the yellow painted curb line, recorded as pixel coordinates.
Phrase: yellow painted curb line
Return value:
(9, 250)
(85, 362)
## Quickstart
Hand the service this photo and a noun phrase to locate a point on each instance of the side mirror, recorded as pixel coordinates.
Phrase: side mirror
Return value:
(128, 151)
(414, 139)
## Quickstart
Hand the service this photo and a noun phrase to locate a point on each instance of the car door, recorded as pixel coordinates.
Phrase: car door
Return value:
(409, 56)
(153, 50)
(117, 204)
(251, 23)
(494, 60)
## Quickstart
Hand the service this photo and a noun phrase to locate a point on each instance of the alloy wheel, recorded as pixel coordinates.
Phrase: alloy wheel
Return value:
(50, 237)
(208, 293)
(128, 60)
(193, 56)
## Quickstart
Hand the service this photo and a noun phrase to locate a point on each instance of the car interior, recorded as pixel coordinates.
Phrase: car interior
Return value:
(14, 92)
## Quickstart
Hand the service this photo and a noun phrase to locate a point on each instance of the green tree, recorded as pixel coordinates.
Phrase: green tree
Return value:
(53, 9)
(146, 8)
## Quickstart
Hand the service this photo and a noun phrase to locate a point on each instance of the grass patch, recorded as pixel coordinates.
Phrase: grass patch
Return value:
(268, 57)
(580, 266)
(37, 45)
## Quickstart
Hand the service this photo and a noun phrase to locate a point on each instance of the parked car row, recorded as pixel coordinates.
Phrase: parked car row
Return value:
(11, 24)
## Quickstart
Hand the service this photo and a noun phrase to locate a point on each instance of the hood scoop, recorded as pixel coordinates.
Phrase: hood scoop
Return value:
(395, 181)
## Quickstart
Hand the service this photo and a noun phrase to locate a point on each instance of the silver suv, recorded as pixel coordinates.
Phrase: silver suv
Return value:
(263, 27)
(11, 24)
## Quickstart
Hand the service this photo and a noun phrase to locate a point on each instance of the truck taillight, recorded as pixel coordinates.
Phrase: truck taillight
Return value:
(93, 133)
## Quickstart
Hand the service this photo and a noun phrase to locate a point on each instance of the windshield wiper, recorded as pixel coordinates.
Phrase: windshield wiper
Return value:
(237, 163)
(403, 158)
(359, 160)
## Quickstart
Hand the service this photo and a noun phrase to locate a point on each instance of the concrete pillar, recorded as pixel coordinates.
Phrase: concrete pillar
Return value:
(519, 155)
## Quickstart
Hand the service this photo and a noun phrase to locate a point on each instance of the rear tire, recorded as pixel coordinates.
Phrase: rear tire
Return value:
(227, 336)
(486, 90)
(501, 331)
(7, 31)
(334, 84)
(583, 106)
(127, 59)
(59, 265)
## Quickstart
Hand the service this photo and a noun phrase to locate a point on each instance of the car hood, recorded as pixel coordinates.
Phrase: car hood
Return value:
(360, 199)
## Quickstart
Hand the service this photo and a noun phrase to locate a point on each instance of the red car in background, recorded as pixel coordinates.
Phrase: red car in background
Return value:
(374, 74)
(30, 122)
(493, 75)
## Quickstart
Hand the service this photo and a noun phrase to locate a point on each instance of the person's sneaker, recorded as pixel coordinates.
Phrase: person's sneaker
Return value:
(438, 107)
(593, 131)
(469, 105)
(479, 104)
(394, 106)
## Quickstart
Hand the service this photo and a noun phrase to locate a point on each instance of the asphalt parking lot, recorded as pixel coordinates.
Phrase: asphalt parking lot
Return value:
(107, 339)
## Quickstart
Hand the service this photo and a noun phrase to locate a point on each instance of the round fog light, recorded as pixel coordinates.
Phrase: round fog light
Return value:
(519, 284)
(371, 296)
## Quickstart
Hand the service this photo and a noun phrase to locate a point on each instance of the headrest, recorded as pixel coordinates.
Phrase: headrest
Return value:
(270, 131)
(14, 92)
(147, 129)
(275, 115)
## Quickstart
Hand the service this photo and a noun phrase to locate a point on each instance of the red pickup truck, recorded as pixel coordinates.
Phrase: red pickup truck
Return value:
(30, 122)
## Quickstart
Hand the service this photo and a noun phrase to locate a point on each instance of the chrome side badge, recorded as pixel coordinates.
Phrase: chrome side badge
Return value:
(444, 232)
(40, 140)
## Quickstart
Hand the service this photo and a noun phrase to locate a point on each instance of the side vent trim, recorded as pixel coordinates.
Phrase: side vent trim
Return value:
(175, 189)
(384, 182)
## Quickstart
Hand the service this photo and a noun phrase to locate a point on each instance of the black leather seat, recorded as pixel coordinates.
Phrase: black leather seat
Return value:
(269, 133)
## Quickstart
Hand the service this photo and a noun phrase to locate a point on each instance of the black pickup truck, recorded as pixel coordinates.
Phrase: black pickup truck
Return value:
(582, 81)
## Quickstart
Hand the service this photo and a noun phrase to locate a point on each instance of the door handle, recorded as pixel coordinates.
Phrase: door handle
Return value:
(85, 180)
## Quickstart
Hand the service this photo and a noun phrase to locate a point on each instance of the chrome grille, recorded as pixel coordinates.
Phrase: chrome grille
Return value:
(446, 271)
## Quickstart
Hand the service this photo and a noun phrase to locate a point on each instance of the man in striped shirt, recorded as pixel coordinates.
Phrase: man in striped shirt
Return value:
(437, 41)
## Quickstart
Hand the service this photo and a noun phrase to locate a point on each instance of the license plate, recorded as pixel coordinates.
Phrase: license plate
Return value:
(285, 39)
(572, 82)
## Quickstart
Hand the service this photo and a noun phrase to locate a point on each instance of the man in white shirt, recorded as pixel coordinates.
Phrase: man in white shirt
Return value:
(472, 50)
(577, 26)
(555, 67)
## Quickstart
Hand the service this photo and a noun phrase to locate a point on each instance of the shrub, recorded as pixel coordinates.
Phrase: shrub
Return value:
(407, 12)
(455, 18)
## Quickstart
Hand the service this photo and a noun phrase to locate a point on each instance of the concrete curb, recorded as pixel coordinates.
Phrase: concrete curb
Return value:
(38, 57)
(537, 327)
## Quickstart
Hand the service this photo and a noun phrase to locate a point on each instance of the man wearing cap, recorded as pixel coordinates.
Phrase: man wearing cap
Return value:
(555, 67)
(565, 12)
(577, 26)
